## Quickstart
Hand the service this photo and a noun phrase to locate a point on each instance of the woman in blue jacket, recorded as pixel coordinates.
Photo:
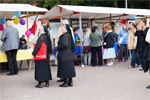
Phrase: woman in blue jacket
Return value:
(123, 34)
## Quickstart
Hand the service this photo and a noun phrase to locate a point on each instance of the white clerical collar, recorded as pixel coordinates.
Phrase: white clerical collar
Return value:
(108, 32)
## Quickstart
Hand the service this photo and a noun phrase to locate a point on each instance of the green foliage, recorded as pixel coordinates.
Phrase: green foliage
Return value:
(144, 4)
(76, 2)
(52, 3)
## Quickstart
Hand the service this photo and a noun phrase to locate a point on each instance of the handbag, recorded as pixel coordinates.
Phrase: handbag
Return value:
(148, 37)
(42, 53)
(86, 49)
(121, 39)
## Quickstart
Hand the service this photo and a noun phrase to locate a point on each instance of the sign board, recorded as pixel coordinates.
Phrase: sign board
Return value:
(99, 24)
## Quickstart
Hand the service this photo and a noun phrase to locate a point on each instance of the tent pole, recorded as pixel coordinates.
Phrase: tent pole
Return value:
(146, 19)
(28, 15)
(27, 29)
(91, 24)
(60, 10)
(81, 34)
(28, 61)
(110, 20)
(80, 23)
(62, 16)
(126, 4)
(118, 19)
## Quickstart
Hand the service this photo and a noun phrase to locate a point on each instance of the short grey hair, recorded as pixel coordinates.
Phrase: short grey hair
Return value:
(9, 22)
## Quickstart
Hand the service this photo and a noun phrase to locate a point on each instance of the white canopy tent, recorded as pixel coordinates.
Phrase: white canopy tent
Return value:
(92, 13)
(7, 10)
(89, 12)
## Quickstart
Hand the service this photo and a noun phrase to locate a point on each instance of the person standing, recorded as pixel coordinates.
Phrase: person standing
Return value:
(109, 51)
(141, 43)
(76, 38)
(66, 56)
(87, 47)
(132, 43)
(115, 38)
(47, 23)
(10, 38)
(147, 61)
(103, 34)
(55, 46)
(123, 45)
(147, 54)
(103, 30)
(63, 22)
(96, 46)
(42, 67)
(113, 30)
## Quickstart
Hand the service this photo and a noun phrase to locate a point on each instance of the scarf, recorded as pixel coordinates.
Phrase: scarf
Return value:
(72, 40)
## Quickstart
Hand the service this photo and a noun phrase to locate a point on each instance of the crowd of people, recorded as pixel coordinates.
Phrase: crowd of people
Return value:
(131, 42)
(98, 49)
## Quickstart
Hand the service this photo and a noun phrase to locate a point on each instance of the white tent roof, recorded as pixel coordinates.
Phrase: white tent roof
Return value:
(88, 12)
(7, 10)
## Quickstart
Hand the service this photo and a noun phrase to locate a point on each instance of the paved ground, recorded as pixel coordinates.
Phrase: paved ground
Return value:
(100, 83)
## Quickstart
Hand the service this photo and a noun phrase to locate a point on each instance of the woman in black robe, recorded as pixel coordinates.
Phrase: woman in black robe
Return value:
(42, 67)
(66, 57)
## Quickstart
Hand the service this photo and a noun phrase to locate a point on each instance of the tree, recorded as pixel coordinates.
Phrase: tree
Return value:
(102, 3)
(141, 4)
(115, 3)
(52, 3)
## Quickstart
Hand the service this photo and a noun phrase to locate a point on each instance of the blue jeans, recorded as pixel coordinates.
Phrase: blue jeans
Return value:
(141, 50)
(123, 48)
(24, 47)
(134, 58)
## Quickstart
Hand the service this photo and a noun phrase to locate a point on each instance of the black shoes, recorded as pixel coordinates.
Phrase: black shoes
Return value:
(61, 80)
(63, 85)
(39, 86)
(70, 84)
(148, 87)
(16, 73)
(141, 70)
(47, 85)
(66, 84)
(9, 74)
